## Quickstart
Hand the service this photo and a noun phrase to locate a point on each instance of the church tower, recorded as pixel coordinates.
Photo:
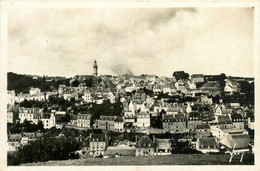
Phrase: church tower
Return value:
(95, 68)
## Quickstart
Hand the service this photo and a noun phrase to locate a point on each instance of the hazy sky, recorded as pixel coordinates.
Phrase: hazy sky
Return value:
(131, 40)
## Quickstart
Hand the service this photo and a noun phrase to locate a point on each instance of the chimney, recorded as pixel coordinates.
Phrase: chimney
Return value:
(136, 138)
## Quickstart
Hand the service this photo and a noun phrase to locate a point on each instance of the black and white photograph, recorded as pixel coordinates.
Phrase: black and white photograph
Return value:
(130, 86)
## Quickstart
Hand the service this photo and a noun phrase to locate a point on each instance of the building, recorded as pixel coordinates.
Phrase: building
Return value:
(237, 121)
(106, 122)
(143, 120)
(174, 124)
(12, 112)
(30, 114)
(211, 88)
(231, 86)
(83, 120)
(95, 69)
(236, 143)
(197, 78)
(48, 121)
(119, 124)
(163, 146)
(14, 142)
(145, 146)
(194, 119)
(207, 144)
(203, 130)
(97, 144)
(11, 97)
(34, 91)
(123, 148)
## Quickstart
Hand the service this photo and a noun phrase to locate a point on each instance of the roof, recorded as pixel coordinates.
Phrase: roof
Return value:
(145, 142)
(30, 135)
(224, 120)
(119, 119)
(98, 137)
(236, 116)
(210, 85)
(83, 116)
(143, 113)
(203, 126)
(208, 141)
(10, 108)
(194, 114)
(120, 149)
(107, 118)
(241, 141)
(13, 137)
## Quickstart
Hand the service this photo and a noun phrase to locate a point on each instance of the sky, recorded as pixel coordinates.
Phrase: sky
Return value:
(65, 42)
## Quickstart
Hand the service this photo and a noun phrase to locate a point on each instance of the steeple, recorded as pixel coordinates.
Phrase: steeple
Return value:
(95, 68)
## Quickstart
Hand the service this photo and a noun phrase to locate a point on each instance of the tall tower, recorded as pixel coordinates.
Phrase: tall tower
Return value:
(95, 67)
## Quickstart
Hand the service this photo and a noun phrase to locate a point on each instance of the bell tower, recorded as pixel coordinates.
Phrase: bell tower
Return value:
(95, 69)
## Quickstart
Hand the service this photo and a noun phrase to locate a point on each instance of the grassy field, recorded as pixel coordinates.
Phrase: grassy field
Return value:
(176, 159)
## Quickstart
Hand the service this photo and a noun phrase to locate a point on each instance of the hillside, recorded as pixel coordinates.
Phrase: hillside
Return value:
(22, 83)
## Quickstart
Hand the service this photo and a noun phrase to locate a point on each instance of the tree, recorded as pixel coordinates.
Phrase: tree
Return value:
(181, 75)
(75, 83)
(89, 82)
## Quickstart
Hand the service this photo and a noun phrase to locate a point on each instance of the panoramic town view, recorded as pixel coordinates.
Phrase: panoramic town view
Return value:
(151, 91)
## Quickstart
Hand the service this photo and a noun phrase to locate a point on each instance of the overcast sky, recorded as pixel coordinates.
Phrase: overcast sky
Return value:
(157, 41)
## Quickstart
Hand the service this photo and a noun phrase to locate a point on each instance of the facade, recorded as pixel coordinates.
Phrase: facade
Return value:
(11, 97)
(49, 122)
(231, 86)
(143, 120)
(194, 119)
(197, 78)
(211, 88)
(163, 146)
(207, 144)
(30, 114)
(34, 91)
(203, 130)
(12, 112)
(174, 124)
(106, 122)
(83, 120)
(145, 146)
(237, 121)
(119, 124)
(97, 144)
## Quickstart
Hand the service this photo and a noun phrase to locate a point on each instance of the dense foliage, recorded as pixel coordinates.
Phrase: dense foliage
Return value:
(45, 149)
(26, 126)
(22, 83)
(181, 75)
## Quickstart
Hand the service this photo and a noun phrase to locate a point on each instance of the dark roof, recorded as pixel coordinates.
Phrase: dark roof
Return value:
(119, 119)
(98, 137)
(203, 126)
(208, 141)
(194, 114)
(145, 142)
(236, 116)
(224, 120)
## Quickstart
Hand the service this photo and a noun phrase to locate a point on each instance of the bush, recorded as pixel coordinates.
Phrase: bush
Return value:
(45, 149)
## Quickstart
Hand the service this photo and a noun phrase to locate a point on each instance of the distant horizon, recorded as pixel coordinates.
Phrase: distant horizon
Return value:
(127, 74)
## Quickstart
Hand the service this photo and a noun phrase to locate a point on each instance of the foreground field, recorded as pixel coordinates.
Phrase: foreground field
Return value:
(176, 159)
